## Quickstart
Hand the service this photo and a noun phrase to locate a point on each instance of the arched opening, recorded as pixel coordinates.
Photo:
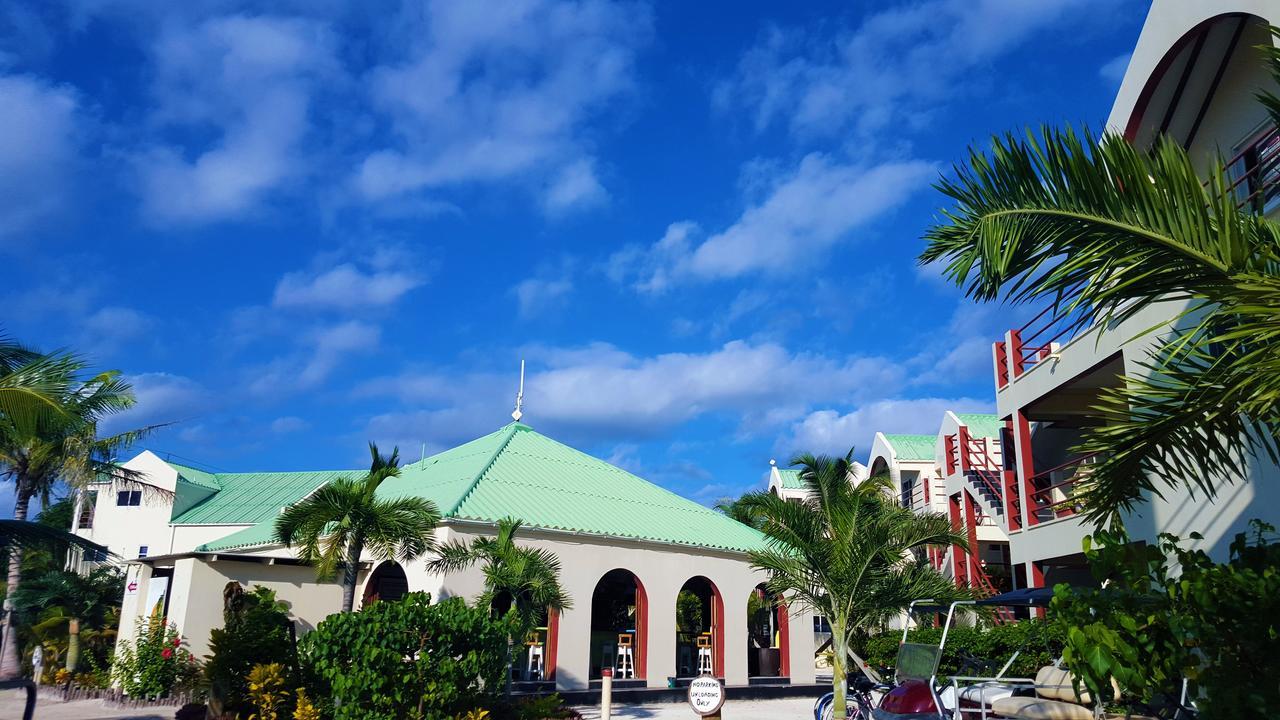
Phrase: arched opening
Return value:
(768, 636)
(619, 625)
(699, 629)
(387, 582)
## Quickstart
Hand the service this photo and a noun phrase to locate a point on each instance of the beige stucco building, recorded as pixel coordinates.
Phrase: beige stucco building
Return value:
(627, 549)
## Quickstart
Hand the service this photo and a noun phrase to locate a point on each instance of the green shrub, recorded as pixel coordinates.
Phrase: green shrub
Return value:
(255, 632)
(408, 659)
(1040, 642)
(1216, 624)
(155, 664)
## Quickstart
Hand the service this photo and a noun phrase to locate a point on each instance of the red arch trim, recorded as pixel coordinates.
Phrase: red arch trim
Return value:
(784, 639)
(553, 642)
(642, 629)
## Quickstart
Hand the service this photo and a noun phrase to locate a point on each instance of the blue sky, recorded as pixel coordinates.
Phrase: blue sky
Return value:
(301, 226)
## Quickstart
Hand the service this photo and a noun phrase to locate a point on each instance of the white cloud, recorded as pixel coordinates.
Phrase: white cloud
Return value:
(575, 187)
(535, 295)
(106, 328)
(892, 68)
(831, 432)
(343, 287)
(601, 391)
(289, 424)
(803, 214)
(332, 344)
(1114, 69)
(38, 146)
(161, 398)
(248, 82)
(492, 92)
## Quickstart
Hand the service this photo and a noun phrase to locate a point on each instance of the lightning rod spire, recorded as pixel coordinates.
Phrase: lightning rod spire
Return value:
(518, 412)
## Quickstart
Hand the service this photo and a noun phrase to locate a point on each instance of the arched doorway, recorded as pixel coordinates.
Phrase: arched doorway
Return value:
(699, 627)
(619, 607)
(768, 636)
(387, 582)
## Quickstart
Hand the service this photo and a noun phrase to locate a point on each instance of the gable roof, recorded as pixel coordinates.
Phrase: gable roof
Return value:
(248, 498)
(517, 472)
(790, 479)
(981, 424)
(912, 448)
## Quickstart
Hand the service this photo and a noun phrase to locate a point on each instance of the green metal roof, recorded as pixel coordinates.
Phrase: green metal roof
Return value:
(517, 472)
(791, 479)
(246, 498)
(261, 534)
(913, 448)
(194, 476)
(981, 424)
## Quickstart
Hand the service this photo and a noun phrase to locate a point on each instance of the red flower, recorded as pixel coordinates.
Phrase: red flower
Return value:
(166, 653)
(177, 641)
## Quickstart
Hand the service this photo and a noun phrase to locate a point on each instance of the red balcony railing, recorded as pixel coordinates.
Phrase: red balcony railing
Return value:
(1054, 495)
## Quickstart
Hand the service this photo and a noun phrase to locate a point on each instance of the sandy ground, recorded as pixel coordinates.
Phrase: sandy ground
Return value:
(784, 709)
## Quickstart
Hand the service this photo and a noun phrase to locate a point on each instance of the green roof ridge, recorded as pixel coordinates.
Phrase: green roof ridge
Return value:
(981, 424)
(509, 432)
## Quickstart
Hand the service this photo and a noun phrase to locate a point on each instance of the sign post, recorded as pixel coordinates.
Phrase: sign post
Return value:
(606, 693)
(706, 696)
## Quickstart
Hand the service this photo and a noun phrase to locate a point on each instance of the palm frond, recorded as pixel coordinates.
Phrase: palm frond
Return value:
(23, 534)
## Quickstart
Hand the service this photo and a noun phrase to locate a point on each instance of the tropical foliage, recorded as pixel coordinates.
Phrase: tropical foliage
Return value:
(408, 659)
(255, 631)
(1038, 643)
(846, 554)
(1167, 613)
(1101, 230)
(41, 447)
(333, 526)
(155, 663)
(743, 509)
(63, 600)
(521, 580)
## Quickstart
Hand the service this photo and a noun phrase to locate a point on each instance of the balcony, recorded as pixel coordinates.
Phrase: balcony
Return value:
(1254, 179)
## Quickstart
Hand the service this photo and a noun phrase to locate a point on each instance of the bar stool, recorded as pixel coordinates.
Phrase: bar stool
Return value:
(534, 669)
(625, 665)
(705, 665)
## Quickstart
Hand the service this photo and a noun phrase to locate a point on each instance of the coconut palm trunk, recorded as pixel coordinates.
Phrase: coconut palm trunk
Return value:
(10, 664)
(73, 644)
(350, 574)
(839, 671)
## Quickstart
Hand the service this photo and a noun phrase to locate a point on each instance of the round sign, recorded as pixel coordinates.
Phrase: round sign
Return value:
(706, 695)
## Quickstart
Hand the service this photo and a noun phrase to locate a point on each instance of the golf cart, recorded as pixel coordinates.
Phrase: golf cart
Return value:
(917, 693)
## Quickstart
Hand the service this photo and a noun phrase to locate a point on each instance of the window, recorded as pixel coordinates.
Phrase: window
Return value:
(142, 551)
(87, 504)
(129, 498)
(95, 556)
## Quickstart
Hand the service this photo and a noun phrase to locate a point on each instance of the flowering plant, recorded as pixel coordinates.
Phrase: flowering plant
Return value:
(155, 662)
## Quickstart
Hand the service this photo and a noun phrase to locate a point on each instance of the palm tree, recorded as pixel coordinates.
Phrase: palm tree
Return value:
(742, 509)
(846, 554)
(31, 383)
(40, 450)
(522, 582)
(1101, 230)
(66, 597)
(335, 525)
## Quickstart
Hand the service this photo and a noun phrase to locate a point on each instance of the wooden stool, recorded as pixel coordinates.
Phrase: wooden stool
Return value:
(705, 665)
(534, 668)
(625, 665)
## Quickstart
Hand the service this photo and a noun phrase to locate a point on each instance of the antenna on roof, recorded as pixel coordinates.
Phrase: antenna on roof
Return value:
(518, 412)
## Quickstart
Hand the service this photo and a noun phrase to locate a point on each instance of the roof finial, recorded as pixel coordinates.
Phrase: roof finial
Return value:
(773, 463)
(518, 412)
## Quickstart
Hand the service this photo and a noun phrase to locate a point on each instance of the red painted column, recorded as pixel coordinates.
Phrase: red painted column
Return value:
(553, 643)
(1013, 348)
(958, 558)
(949, 445)
(1001, 361)
(962, 440)
(717, 631)
(1035, 579)
(642, 629)
(1025, 467)
(971, 523)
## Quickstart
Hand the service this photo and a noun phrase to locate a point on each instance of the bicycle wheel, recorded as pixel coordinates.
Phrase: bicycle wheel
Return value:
(822, 709)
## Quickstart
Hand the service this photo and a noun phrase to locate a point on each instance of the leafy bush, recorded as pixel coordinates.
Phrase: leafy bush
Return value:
(1216, 624)
(408, 659)
(156, 663)
(266, 691)
(256, 632)
(1040, 642)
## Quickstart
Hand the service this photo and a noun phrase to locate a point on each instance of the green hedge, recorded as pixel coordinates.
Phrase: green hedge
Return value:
(1041, 643)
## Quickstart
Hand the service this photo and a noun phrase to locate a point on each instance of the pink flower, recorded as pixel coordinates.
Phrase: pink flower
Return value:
(166, 653)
